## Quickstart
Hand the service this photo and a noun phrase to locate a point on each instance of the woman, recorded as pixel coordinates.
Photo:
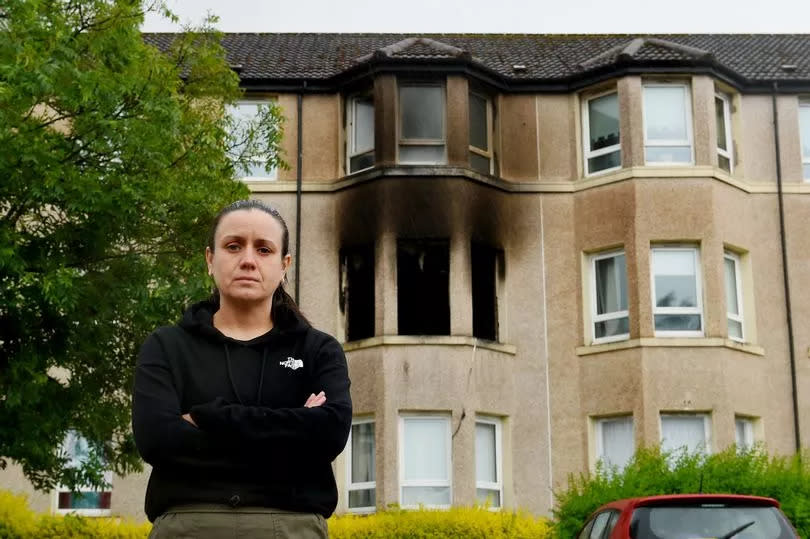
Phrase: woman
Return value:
(241, 407)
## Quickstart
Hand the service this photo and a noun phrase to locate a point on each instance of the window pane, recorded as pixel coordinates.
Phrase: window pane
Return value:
(599, 525)
(806, 171)
(478, 122)
(720, 120)
(724, 163)
(734, 329)
(604, 162)
(362, 161)
(665, 113)
(603, 121)
(675, 279)
(363, 124)
(242, 113)
(685, 431)
(421, 110)
(731, 286)
(426, 495)
(479, 163)
(668, 154)
(804, 125)
(611, 284)
(486, 467)
(610, 328)
(743, 430)
(421, 155)
(425, 449)
(677, 322)
(256, 169)
(488, 496)
(362, 498)
(362, 452)
(617, 441)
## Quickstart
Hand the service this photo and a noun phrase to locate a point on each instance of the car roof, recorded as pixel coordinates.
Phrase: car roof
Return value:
(676, 499)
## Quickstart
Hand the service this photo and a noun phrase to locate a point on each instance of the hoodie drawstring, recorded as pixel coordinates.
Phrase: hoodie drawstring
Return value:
(230, 375)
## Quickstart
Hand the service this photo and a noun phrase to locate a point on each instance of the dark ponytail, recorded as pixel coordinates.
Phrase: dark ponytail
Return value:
(283, 311)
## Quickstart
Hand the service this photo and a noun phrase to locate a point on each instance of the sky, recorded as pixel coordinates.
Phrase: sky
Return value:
(494, 16)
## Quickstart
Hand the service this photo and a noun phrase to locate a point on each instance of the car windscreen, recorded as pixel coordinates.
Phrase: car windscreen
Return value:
(709, 520)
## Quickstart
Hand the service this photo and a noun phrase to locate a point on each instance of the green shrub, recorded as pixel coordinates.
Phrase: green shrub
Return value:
(652, 472)
(18, 521)
(458, 522)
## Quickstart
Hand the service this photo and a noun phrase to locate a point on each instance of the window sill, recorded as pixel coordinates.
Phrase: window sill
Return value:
(432, 340)
(84, 512)
(660, 342)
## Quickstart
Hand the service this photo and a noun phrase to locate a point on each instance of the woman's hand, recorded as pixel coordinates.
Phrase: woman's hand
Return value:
(314, 400)
(187, 417)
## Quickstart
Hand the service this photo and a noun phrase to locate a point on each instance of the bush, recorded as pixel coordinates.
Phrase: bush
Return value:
(461, 522)
(652, 472)
(18, 521)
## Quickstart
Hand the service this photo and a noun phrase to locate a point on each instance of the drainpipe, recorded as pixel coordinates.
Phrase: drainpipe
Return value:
(783, 244)
(298, 194)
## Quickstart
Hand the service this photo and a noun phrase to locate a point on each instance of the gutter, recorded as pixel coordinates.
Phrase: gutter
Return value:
(783, 244)
(299, 194)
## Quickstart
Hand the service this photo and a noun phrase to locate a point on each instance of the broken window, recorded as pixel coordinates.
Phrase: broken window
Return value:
(486, 261)
(423, 287)
(357, 291)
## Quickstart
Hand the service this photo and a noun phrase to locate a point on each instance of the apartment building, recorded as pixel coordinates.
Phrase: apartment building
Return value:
(539, 251)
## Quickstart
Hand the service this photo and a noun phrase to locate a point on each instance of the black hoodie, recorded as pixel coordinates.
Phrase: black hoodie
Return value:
(256, 445)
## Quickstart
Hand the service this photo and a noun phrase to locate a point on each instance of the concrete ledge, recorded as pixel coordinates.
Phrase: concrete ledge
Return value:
(556, 186)
(431, 340)
(654, 342)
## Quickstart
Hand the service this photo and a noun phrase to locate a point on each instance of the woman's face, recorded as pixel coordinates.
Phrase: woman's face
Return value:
(246, 263)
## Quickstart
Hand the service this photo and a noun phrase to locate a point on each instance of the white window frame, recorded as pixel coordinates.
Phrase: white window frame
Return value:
(748, 432)
(586, 137)
(86, 512)
(488, 485)
(804, 104)
(689, 141)
(729, 153)
(444, 418)
(707, 426)
(489, 154)
(595, 318)
(735, 258)
(365, 485)
(351, 117)
(698, 310)
(599, 445)
(402, 141)
(272, 175)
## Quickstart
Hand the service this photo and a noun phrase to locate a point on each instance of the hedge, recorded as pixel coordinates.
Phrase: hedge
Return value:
(17, 521)
(652, 472)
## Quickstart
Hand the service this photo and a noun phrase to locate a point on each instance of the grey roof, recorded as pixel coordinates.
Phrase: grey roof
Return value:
(746, 58)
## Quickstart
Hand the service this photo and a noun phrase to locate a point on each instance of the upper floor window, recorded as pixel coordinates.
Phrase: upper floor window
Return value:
(360, 142)
(425, 461)
(480, 133)
(725, 148)
(244, 113)
(600, 117)
(734, 312)
(804, 125)
(667, 124)
(362, 483)
(610, 317)
(615, 443)
(487, 272)
(421, 124)
(488, 474)
(676, 292)
(85, 501)
(357, 291)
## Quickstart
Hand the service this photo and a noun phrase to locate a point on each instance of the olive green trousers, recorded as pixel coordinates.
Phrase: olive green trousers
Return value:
(222, 522)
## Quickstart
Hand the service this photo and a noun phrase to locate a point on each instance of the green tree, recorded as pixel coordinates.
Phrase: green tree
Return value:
(114, 158)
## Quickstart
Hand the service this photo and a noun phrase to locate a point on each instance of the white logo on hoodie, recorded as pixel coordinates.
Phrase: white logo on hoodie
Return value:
(292, 363)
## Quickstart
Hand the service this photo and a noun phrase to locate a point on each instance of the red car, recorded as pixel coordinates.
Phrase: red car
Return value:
(689, 516)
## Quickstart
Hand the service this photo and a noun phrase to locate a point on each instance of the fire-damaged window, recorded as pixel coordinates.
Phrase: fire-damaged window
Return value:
(423, 287)
(357, 291)
(487, 266)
